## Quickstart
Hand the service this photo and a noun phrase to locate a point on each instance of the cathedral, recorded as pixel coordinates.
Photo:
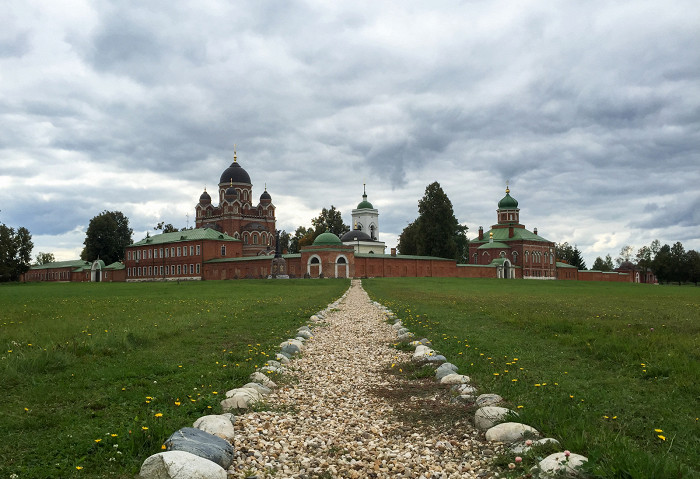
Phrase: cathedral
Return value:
(236, 215)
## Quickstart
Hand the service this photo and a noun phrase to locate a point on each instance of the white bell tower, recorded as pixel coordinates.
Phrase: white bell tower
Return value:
(366, 217)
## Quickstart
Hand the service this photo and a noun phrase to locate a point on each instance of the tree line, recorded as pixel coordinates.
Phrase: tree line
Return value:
(669, 263)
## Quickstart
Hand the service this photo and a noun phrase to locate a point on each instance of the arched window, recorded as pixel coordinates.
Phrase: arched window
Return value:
(527, 256)
(476, 258)
(515, 257)
(255, 238)
(245, 238)
(502, 254)
(314, 260)
(341, 260)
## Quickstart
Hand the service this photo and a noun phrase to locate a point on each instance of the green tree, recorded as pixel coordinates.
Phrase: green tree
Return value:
(644, 258)
(599, 264)
(679, 268)
(436, 231)
(302, 237)
(165, 227)
(15, 252)
(577, 259)
(45, 258)
(284, 241)
(329, 220)
(693, 264)
(661, 264)
(565, 252)
(106, 237)
(408, 244)
(609, 263)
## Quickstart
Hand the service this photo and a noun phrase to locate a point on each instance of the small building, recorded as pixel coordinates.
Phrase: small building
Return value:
(76, 271)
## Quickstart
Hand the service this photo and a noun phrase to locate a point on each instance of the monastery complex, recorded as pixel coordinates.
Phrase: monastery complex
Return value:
(235, 239)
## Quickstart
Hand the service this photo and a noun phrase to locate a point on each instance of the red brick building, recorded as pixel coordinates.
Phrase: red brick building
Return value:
(515, 251)
(236, 215)
(76, 271)
(178, 256)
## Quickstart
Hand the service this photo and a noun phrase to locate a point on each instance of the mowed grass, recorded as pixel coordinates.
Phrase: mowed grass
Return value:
(95, 376)
(610, 370)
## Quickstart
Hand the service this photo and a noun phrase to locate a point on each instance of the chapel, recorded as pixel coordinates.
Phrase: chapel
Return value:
(236, 214)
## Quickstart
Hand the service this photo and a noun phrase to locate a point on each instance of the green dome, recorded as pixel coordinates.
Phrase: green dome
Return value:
(365, 205)
(507, 201)
(327, 239)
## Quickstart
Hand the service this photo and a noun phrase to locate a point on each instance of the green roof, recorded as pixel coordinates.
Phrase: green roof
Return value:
(365, 205)
(565, 265)
(327, 239)
(185, 235)
(501, 234)
(116, 265)
(494, 245)
(74, 263)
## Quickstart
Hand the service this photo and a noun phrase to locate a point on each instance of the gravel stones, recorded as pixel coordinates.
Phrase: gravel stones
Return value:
(330, 421)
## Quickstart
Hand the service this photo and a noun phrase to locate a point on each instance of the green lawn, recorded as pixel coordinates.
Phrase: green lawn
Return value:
(599, 366)
(96, 376)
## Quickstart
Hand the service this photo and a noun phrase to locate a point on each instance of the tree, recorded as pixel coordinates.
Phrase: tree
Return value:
(693, 262)
(106, 237)
(329, 220)
(599, 264)
(45, 258)
(644, 257)
(436, 231)
(407, 239)
(609, 266)
(678, 263)
(284, 241)
(661, 264)
(302, 237)
(625, 255)
(165, 228)
(15, 252)
(577, 259)
(565, 252)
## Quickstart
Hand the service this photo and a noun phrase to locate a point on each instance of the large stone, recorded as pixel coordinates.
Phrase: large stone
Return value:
(463, 389)
(240, 398)
(455, 379)
(305, 334)
(402, 331)
(257, 377)
(282, 358)
(511, 432)
(291, 347)
(219, 425)
(202, 444)
(558, 465)
(270, 370)
(273, 363)
(405, 337)
(180, 465)
(259, 388)
(488, 400)
(445, 369)
(434, 359)
(421, 349)
(489, 416)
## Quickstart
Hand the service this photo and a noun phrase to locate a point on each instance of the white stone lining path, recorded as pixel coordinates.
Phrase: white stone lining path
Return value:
(342, 412)
(332, 424)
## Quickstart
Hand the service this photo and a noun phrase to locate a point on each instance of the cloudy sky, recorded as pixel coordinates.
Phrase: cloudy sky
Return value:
(590, 110)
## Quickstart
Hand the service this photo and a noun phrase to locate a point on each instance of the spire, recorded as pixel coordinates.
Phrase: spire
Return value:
(507, 189)
(235, 158)
(364, 191)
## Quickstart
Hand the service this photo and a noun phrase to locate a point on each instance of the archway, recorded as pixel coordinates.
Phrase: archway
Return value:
(341, 272)
(314, 267)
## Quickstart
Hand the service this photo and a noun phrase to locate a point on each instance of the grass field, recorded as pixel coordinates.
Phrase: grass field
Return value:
(96, 376)
(610, 370)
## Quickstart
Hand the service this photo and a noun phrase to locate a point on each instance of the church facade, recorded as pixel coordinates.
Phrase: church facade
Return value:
(236, 214)
(516, 251)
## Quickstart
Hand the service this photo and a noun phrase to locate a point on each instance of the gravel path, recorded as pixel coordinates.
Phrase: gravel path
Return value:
(347, 412)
